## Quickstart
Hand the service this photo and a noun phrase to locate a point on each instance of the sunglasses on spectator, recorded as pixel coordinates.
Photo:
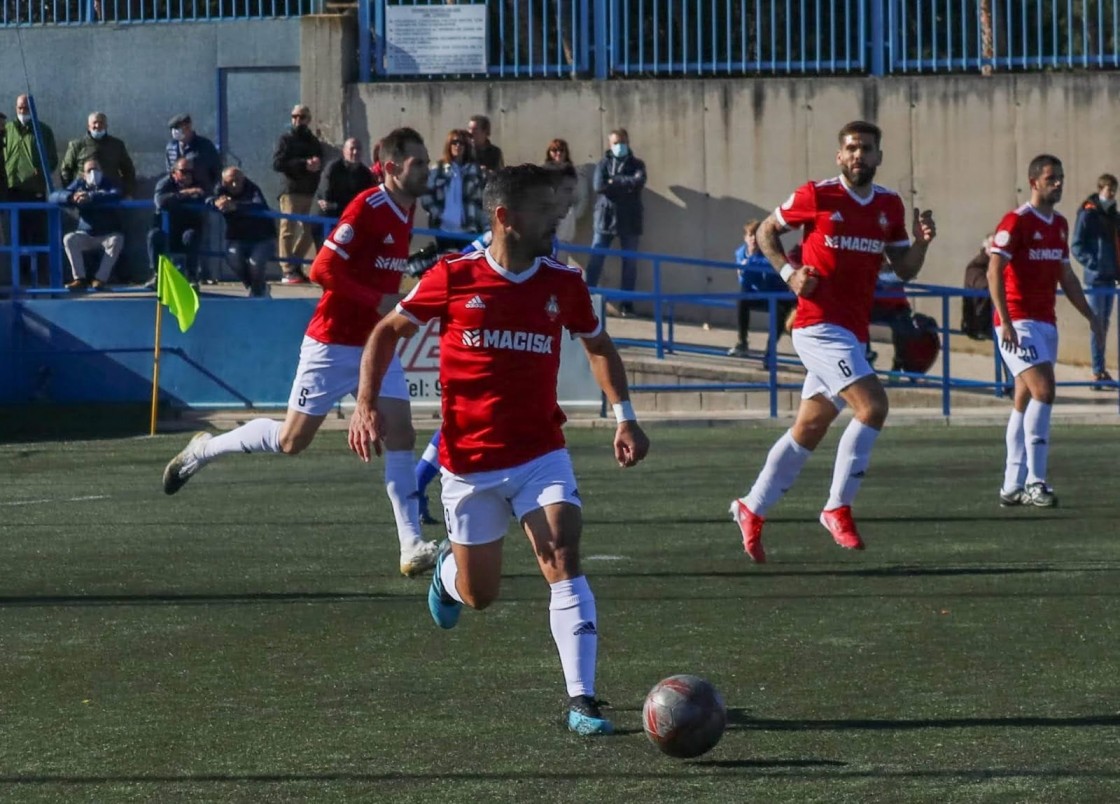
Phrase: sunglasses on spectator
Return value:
(557, 150)
(457, 142)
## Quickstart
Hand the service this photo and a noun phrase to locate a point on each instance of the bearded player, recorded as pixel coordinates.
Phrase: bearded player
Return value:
(849, 224)
(361, 262)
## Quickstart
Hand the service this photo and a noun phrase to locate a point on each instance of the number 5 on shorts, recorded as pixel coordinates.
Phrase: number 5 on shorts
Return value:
(303, 397)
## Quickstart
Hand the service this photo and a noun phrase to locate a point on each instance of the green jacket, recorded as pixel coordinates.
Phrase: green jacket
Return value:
(110, 152)
(21, 157)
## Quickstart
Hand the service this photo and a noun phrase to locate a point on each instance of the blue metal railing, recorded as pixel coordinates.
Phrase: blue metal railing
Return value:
(620, 38)
(125, 12)
(663, 311)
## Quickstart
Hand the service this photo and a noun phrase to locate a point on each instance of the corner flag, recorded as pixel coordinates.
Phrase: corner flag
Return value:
(177, 294)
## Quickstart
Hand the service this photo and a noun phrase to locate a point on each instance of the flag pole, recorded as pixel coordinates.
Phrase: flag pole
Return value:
(155, 357)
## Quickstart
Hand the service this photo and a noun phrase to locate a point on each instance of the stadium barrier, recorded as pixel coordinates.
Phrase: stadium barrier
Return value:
(130, 12)
(664, 308)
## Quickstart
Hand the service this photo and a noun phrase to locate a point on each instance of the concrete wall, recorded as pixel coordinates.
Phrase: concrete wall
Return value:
(721, 151)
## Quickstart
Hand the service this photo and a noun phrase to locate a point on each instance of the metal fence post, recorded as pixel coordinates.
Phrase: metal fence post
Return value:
(365, 34)
(601, 25)
(878, 36)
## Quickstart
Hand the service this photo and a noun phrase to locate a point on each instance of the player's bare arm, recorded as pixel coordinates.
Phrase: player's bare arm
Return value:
(366, 425)
(1008, 337)
(907, 262)
(1071, 286)
(802, 281)
(630, 442)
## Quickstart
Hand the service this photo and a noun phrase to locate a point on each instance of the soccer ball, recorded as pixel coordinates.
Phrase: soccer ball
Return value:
(684, 716)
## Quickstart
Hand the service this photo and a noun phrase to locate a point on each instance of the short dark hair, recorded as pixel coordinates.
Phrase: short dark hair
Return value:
(396, 142)
(1106, 180)
(511, 186)
(480, 120)
(1040, 163)
(861, 127)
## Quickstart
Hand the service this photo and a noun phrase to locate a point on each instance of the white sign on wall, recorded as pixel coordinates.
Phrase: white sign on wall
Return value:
(422, 40)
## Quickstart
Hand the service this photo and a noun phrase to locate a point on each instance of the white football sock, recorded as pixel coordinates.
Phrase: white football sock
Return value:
(852, 456)
(400, 484)
(1015, 470)
(1036, 433)
(783, 465)
(258, 435)
(571, 613)
(448, 573)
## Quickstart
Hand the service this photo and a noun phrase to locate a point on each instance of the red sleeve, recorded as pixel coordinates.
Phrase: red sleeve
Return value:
(1006, 239)
(428, 299)
(336, 262)
(800, 208)
(1065, 240)
(579, 316)
(897, 235)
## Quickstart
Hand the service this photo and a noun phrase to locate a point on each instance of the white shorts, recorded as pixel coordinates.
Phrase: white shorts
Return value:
(328, 372)
(1038, 344)
(833, 359)
(477, 506)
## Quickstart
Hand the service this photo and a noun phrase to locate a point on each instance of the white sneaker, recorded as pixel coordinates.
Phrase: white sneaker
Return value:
(420, 559)
(184, 465)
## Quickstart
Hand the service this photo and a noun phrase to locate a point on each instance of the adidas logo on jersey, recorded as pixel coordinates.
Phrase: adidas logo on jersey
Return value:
(476, 304)
(534, 342)
(836, 216)
(1038, 235)
(388, 241)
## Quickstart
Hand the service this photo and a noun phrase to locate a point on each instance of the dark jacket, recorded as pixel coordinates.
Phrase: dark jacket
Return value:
(109, 152)
(185, 211)
(618, 184)
(3, 171)
(1095, 241)
(342, 182)
(241, 222)
(293, 150)
(100, 215)
(203, 156)
(489, 156)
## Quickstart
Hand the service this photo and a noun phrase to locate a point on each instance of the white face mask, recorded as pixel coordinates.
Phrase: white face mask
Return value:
(1108, 203)
(93, 177)
(23, 118)
(98, 134)
(177, 134)
(620, 149)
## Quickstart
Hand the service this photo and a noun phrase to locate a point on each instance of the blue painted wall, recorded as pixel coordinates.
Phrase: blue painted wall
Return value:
(240, 352)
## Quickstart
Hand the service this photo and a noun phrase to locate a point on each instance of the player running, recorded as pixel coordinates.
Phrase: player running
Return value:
(361, 262)
(849, 224)
(502, 312)
(1029, 258)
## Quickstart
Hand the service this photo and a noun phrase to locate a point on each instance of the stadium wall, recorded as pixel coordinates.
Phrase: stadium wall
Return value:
(722, 151)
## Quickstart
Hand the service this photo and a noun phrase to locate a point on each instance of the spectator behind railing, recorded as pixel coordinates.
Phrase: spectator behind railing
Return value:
(181, 196)
(344, 178)
(619, 180)
(1096, 238)
(375, 165)
(756, 275)
(454, 197)
(3, 175)
(250, 238)
(299, 159)
(27, 176)
(485, 153)
(206, 163)
(110, 153)
(976, 311)
(576, 194)
(99, 225)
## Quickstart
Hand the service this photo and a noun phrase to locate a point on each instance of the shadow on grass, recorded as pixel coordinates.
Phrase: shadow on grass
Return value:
(740, 719)
(187, 599)
(905, 571)
(797, 520)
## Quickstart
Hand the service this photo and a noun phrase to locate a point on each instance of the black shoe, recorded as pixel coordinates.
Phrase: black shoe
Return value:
(738, 350)
(425, 515)
(151, 283)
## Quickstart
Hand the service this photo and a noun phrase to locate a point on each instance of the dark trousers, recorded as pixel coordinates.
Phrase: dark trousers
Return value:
(626, 242)
(181, 241)
(32, 232)
(249, 261)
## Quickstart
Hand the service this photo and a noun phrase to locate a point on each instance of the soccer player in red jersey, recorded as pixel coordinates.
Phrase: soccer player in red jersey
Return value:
(502, 313)
(361, 262)
(849, 224)
(1029, 258)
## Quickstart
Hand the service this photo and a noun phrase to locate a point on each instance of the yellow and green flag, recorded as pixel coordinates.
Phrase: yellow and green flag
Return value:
(177, 294)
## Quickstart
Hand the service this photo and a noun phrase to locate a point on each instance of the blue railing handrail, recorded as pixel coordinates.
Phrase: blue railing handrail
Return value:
(25, 13)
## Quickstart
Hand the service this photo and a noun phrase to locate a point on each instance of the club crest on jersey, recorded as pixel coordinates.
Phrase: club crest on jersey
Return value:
(1002, 238)
(343, 234)
(884, 224)
(552, 308)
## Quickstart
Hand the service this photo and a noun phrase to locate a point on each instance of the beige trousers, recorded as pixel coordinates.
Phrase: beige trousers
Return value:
(296, 241)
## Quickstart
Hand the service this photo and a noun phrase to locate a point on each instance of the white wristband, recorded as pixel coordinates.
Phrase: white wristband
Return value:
(624, 412)
(787, 271)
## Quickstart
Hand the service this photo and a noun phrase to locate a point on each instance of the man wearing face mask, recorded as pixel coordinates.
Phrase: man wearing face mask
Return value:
(99, 226)
(26, 175)
(205, 161)
(1095, 243)
(619, 180)
(181, 196)
(250, 238)
(299, 158)
(109, 151)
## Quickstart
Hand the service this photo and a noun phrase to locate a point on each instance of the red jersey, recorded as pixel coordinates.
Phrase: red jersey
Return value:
(363, 259)
(844, 239)
(499, 355)
(1037, 250)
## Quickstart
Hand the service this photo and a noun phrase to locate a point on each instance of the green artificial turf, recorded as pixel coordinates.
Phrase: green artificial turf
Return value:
(250, 639)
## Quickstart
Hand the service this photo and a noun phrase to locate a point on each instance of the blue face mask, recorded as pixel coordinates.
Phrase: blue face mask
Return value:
(98, 134)
(620, 149)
